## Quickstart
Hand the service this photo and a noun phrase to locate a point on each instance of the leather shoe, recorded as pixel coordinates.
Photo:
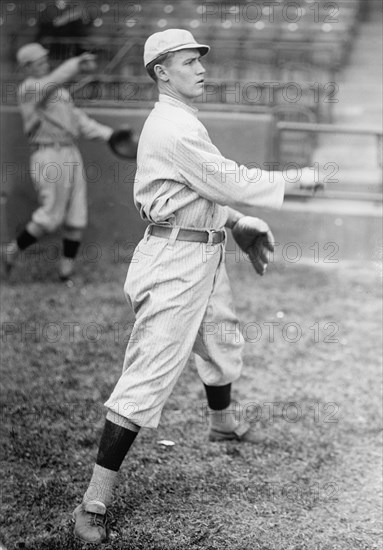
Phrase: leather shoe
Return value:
(90, 522)
(243, 432)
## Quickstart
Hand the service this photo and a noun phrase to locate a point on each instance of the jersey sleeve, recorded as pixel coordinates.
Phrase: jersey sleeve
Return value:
(37, 91)
(90, 128)
(205, 170)
(28, 108)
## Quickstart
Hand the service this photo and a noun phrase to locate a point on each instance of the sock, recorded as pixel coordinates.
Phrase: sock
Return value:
(25, 239)
(222, 415)
(101, 485)
(114, 445)
(218, 397)
(70, 248)
(116, 441)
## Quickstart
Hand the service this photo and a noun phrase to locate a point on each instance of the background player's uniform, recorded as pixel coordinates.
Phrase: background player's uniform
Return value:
(53, 126)
(179, 290)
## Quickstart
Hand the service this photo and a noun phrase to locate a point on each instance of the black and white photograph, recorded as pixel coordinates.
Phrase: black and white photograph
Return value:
(191, 275)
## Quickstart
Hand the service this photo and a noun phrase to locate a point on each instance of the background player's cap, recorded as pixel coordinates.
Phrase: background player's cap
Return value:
(171, 40)
(30, 52)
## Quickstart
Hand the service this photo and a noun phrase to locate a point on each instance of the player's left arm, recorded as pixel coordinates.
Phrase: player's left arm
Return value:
(232, 217)
(90, 128)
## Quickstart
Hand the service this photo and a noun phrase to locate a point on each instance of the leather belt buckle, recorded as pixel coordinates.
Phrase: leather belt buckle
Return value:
(211, 236)
(214, 236)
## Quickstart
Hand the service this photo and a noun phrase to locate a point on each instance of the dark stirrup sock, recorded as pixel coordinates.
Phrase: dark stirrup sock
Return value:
(25, 239)
(70, 248)
(218, 397)
(114, 445)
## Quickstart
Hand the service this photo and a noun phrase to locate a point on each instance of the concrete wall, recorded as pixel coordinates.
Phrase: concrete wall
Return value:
(243, 137)
(319, 229)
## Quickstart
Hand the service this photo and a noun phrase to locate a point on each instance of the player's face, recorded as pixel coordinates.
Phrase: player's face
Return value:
(186, 74)
(40, 67)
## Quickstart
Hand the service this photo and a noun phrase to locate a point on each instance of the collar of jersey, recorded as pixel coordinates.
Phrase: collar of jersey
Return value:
(163, 98)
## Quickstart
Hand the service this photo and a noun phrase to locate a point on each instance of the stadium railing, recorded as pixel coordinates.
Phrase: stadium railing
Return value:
(345, 190)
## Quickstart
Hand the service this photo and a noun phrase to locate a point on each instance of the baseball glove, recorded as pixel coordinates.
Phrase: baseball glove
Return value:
(254, 237)
(123, 142)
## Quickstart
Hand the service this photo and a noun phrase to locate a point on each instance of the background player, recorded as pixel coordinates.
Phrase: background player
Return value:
(53, 124)
(177, 282)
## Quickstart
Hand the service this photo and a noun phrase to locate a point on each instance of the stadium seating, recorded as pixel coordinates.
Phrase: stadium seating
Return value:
(300, 26)
(260, 48)
(280, 60)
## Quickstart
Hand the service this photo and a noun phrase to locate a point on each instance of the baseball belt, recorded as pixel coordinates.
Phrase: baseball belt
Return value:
(192, 235)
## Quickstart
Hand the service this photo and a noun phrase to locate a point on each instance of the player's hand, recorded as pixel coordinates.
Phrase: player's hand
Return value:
(255, 238)
(309, 181)
(87, 62)
(306, 179)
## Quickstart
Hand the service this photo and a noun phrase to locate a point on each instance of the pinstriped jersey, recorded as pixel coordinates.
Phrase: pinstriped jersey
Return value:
(183, 179)
(48, 112)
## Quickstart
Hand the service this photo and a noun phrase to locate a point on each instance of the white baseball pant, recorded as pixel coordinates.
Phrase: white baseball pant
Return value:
(57, 173)
(182, 301)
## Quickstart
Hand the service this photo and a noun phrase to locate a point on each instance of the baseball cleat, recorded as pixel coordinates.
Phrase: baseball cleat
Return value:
(10, 254)
(243, 432)
(90, 522)
(66, 268)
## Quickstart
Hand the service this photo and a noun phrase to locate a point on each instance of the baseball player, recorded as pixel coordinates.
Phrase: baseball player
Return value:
(53, 124)
(177, 283)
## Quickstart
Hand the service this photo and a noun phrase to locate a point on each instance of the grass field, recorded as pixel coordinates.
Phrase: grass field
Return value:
(313, 382)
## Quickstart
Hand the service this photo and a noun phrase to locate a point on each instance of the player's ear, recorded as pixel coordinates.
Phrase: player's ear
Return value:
(28, 68)
(161, 72)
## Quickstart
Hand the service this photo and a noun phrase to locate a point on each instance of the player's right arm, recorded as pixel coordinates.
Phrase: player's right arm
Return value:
(203, 168)
(38, 91)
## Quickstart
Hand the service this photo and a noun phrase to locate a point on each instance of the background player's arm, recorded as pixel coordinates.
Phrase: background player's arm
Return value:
(90, 128)
(38, 91)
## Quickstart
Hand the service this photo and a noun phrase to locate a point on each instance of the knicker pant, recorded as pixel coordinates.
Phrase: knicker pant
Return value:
(58, 176)
(181, 298)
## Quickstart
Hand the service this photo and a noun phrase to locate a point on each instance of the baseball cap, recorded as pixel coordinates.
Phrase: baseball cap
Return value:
(30, 52)
(171, 40)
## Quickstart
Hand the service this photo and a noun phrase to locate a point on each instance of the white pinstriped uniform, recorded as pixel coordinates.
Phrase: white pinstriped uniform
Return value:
(53, 125)
(179, 290)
